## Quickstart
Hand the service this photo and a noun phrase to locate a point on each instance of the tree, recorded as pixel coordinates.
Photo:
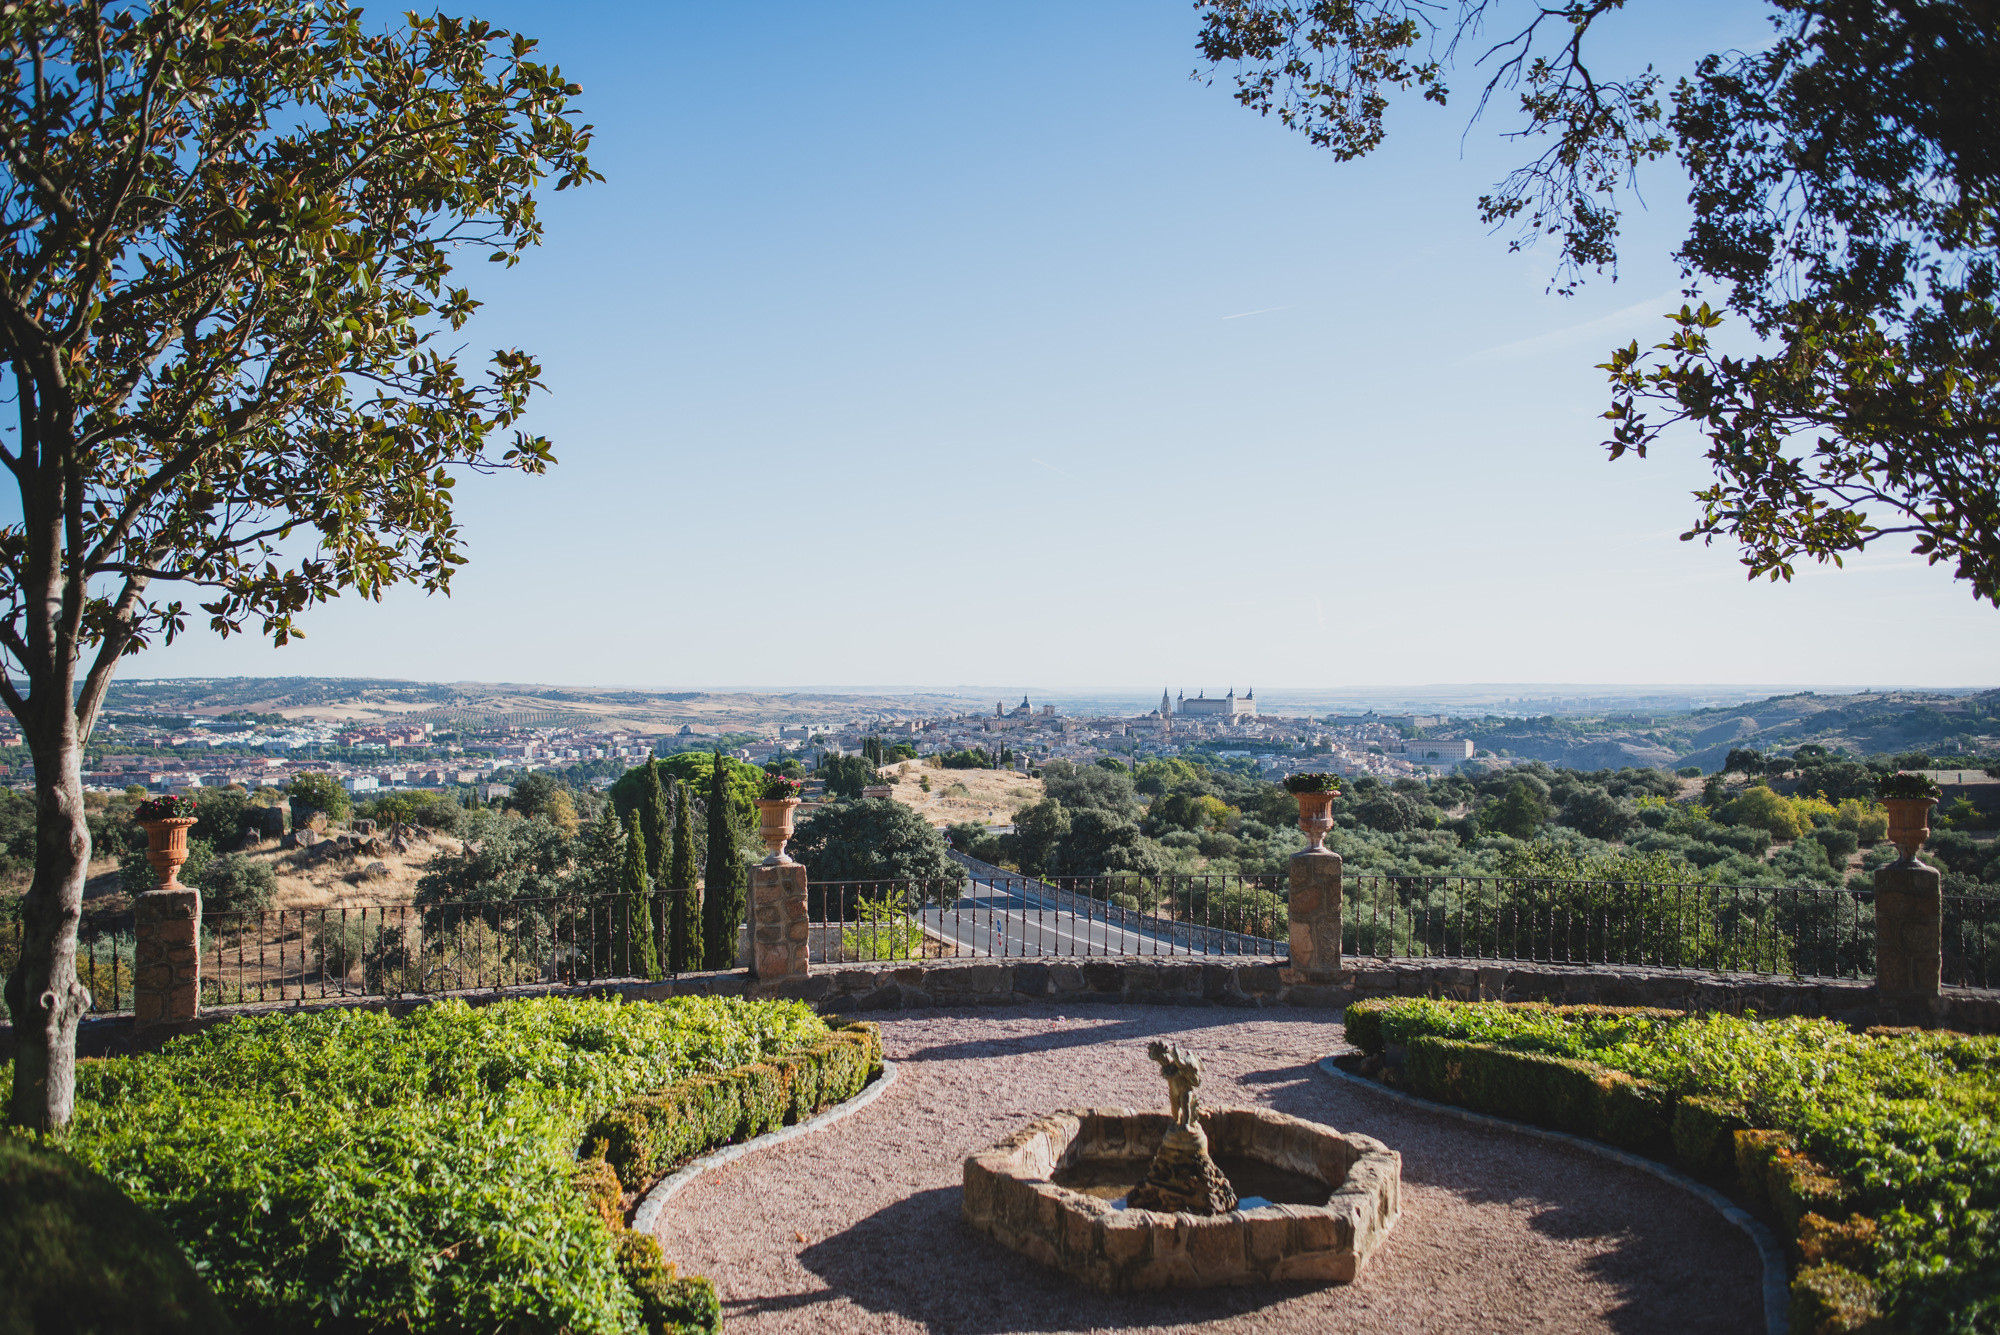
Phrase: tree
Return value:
(313, 791)
(655, 821)
(1598, 814)
(229, 228)
(687, 937)
(1040, 830)
(873, 840)
(1743, 760)
(1520, 813)
(722, 880)
(633, 948)
(1844, 183)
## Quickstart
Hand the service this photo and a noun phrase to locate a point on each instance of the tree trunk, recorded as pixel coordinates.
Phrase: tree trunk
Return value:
(43, 993)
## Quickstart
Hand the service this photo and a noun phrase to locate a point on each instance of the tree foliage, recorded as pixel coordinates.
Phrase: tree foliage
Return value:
(1846, 201)
(228, 332)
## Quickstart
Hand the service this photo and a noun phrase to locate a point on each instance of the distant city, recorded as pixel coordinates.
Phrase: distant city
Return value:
(170, 735)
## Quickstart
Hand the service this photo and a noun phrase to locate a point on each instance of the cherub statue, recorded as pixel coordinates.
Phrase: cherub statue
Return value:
(1182, 1070)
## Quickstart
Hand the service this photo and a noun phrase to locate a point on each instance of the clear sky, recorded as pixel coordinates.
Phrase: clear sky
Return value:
(940, 343)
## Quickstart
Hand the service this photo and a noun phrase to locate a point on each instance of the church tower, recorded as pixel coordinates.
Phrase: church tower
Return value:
(1166, 705)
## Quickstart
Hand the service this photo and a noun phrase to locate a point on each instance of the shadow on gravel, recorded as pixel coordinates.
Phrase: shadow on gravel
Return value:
(1084, 1028)
(1637, 1224)
(918, 1259)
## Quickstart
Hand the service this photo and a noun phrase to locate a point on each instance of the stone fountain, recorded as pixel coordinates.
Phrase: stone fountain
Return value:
(1191, 1198)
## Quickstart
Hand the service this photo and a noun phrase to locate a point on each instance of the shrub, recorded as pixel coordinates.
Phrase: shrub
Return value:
(76, 1253)
(883, 929)
(1879, 1152)
(1867, 819)
(647, 1136)
(313, 791)
(347, 1169)
(236, 883)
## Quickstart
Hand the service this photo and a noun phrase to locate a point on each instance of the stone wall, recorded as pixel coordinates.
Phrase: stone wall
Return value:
(1243, 983)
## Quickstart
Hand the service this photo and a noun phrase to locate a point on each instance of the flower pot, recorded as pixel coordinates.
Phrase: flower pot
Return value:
(1909, 823)
(1316, 818)
(167, 849)
(774, 827)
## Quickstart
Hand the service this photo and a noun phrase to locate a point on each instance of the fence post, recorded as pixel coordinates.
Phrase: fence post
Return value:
(1314, 911)
(778, 921)
(166, 958)
(166, 929)
(1909, 931)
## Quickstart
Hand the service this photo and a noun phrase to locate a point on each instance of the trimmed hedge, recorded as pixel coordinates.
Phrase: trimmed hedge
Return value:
(647, 1136)
(1878, 1154)
(355, 1171)
(77, 1254)
(1563, 1093)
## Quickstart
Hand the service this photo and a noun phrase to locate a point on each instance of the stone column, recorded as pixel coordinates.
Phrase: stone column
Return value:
(167, 956)
(778, 921)
(1909, 931)
(1315, 912)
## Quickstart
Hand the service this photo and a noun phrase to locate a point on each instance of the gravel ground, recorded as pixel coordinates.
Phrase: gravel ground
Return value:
(856, 1228)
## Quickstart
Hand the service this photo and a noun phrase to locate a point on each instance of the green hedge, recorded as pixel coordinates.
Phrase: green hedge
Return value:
(647, 1136)
(1877, 1154)
(348, 1170)
(77, 1254)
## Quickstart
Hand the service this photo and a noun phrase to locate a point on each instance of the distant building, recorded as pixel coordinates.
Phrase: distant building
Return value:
(1438, 750)
(1227, 708)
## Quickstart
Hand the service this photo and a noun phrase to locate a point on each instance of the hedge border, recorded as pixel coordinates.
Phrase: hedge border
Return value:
(646, 1218)
(627, 1151)
(646, 1136)
(1707, 1134)
(1776, 1285)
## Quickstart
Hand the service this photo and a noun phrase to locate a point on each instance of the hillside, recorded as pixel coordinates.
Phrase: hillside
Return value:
(990, 797)
(1867, 723)
(490, 704)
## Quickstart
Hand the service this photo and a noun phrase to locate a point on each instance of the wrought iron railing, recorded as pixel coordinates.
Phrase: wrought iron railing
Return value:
(408, 950)
(995, 914)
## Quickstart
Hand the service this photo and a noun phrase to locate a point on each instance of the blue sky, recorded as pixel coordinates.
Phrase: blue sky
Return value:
(948, 343)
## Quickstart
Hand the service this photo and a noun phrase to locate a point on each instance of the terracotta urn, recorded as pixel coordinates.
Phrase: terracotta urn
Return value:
(774, 827)
(167, 849)
(1909, 823)
(1316, 818)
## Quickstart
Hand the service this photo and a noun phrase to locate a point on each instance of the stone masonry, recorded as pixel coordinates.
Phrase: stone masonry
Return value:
(778, 922)
(1314, 908)
(166, 956)
(1909, 931)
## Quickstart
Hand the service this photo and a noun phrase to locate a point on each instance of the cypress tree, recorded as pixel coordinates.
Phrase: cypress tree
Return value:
(636, 951)
(685, 936)
(722, 894)
(655, 821)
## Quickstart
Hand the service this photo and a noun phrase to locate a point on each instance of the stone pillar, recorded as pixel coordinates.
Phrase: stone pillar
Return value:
(778, 921)
(1909, 931)
(1315, 911)
(166, 974)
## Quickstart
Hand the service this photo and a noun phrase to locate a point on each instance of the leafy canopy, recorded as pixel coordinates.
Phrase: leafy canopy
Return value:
(227, 236)
(1845, 184)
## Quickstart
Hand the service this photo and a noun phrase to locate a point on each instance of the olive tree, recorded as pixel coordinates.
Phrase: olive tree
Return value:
(227, 237)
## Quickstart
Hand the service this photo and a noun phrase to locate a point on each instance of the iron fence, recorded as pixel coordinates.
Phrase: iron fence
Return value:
(404, 950)
(408, 950)
(1797, 931)
(995, 914)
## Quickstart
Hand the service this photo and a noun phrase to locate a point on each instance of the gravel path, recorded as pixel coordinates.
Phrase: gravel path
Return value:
(856, 1228)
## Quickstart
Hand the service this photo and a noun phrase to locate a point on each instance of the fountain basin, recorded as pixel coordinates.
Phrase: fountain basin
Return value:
(1046, 1191)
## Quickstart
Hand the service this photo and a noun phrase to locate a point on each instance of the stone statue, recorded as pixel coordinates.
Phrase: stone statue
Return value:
(1182, 1070)
(1182, 1176)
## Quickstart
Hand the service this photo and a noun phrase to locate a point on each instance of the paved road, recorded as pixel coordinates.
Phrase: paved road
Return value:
(1008, 915)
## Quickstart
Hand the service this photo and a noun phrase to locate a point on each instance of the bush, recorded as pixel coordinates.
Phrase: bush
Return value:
(313, 791)
(236, 883)
(646, 1137)
(76, 1254)
(1879, 1152)
(347, 1169)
